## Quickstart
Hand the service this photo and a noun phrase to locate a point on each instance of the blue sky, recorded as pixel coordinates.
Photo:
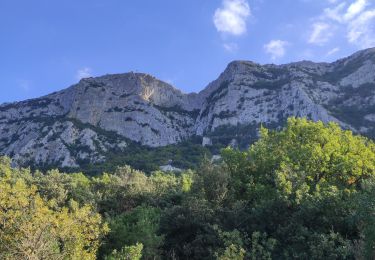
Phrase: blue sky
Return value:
(48, 45)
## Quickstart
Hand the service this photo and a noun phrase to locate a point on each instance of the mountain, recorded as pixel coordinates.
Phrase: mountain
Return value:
(97, 118)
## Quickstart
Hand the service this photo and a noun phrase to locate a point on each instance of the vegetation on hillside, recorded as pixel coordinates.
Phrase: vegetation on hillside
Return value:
(305, 192)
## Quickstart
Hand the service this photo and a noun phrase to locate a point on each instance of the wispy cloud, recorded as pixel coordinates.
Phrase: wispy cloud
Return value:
(357, 18)
(231, 17)
(333, 51)
(230, 47)
(361, 31)
(355, 8)
(276, 48)
(321, 33)
(335, 13)
(343, 13)
(84, 73)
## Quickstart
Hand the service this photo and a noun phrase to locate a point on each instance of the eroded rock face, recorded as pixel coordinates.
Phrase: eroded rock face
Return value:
(83, 122)
(136, 106)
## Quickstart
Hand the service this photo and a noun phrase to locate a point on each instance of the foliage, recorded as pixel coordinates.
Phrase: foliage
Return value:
(305, 192)
(34, 228)
(185, 155)
(127, 253)
(137, 226)
(304, 159)
(232, 252)
(261, 246)
(301, 184)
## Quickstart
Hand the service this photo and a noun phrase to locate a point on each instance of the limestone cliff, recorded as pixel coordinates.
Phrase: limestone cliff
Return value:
(79, 124)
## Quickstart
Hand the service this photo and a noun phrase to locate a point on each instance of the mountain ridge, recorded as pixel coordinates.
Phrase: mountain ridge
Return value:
(86, 120)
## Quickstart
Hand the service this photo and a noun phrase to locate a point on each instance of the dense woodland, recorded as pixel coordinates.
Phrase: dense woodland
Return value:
(305, 192)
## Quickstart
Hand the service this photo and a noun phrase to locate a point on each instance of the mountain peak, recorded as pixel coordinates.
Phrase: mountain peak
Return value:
(105, 113)
(365, 51)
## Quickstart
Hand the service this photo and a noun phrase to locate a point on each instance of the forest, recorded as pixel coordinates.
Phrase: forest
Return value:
(304, 192)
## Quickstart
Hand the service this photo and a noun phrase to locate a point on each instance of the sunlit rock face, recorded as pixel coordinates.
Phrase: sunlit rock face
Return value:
(84, 121)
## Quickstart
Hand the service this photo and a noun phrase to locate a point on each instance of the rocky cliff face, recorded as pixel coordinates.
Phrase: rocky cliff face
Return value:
(81, 123)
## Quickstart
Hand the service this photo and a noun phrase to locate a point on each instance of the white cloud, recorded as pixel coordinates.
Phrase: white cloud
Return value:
(361, 31)
(321, 33)
(333, 51)
(230, 47)
(341, 13)
(84, 73)
(356, 18)
(276, 48)
(231, 17)
(355, 8)
(334, 13)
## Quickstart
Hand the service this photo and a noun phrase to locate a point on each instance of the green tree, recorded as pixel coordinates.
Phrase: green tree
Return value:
(365, 216)
(213, 182)
(137, 226)
(300, 186)
(188, 231)
(32, 228)
(261, 246)
(233, 252)
(127, 253)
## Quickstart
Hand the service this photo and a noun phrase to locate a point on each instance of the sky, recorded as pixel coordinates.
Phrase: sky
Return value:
(48, 45)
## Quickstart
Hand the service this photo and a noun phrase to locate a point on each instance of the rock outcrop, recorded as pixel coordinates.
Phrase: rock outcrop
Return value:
(81, 123)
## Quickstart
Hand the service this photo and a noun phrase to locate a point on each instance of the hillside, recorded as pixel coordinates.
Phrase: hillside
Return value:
(100, 118)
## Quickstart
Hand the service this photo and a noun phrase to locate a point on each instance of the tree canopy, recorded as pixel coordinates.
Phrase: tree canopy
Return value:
(306, 191)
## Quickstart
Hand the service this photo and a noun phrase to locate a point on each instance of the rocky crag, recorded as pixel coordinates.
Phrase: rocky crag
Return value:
(82, 123)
